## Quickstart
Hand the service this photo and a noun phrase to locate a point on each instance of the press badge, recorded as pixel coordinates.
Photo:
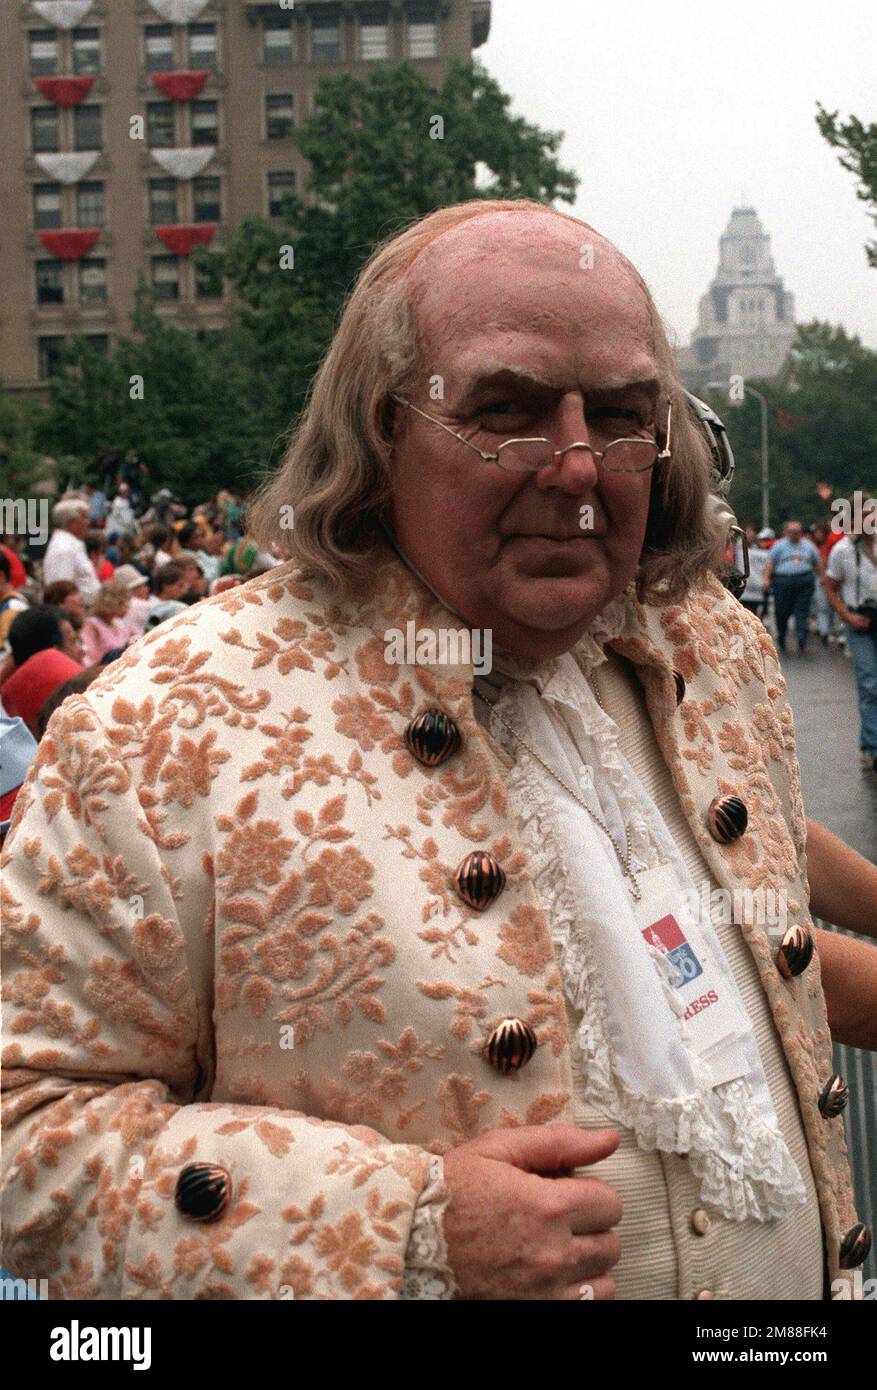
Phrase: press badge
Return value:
(713, 1019)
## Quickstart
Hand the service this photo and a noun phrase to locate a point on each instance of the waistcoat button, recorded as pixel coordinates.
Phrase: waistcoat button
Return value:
(432, 737)
(203, 1191)
(835, 1095)
(700, 1222)
(510, 1046)
(855, 1246)
(727, 818)
(479, 880)
(795, 953)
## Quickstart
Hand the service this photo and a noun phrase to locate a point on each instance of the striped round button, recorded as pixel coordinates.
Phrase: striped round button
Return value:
(203, 1191)
(510, 1046)
(479, 880)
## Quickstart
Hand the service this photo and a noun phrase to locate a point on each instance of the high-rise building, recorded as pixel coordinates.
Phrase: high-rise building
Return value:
(136, 130)
(746, 321)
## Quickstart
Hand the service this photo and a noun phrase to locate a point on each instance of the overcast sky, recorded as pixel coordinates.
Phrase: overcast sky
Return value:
(672, 109)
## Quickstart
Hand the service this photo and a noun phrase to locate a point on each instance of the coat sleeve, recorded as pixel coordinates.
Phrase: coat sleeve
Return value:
(108, 1046)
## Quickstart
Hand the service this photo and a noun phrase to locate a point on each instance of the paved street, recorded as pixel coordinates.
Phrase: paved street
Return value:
(837, 792)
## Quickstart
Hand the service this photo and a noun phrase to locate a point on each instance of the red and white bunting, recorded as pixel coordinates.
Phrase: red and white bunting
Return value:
(68, 168)
(69, 246)
(186, 161)
(63, 14)
(179, 11)
(65, 91)
(179, 86)
(183, 239)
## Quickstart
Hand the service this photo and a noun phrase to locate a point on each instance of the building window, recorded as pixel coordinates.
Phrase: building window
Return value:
(160, 125)
(326, 41)
(374, 42)
(98, 342)
(202, 46)
(46, 205)
(44, 128)
(90, 208)
(205, 122)
(92, 282)
(277, 39)
(422, 38)
(158, 48)
(206, 199)
(86, 52)
(48, 353)
(166, 277)
(278, 116)
(162, 202)
(43, 52)
(208, 284)
(279, 186)
(50, 282)
(87, 128)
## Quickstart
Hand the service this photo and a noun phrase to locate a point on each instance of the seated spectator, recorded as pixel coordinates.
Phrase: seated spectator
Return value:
(31, 683)
(106, 628)
(66, 556)
(121, 514)
(33, 630)
(11, 601)
(196, 584)
(170, 581)
(96, 549)
(65, 595)
(160, 538)
(17, 571)
(141, 601)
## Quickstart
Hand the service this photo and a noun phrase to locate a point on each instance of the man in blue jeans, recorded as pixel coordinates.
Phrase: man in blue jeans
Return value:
(851, 585)
(791, 572)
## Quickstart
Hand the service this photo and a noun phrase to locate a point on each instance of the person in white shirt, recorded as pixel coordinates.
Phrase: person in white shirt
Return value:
(66, 556)
(851, 585)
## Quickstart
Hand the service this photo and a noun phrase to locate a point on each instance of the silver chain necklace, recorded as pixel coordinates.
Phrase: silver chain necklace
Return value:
(623, 859)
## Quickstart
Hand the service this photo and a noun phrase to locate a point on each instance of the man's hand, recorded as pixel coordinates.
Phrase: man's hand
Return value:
(514, 1230)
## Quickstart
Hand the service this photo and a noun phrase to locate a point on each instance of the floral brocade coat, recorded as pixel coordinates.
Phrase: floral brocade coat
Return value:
(233, 937)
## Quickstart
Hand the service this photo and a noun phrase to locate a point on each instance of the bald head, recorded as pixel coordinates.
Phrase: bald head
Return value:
(530, 325)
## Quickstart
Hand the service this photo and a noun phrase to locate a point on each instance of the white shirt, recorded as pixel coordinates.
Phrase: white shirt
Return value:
(66, 558)
(842, 565)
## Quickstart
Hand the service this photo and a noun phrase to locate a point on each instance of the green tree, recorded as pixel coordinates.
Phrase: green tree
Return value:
(382, 151)
(197, 423)
(216, 405)
(859, 145)
(22, 467)
(823, 425)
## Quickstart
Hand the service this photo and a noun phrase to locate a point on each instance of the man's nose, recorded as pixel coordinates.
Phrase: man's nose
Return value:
(574, 467)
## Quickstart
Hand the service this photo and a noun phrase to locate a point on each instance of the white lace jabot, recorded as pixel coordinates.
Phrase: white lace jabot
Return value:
(633, 1050)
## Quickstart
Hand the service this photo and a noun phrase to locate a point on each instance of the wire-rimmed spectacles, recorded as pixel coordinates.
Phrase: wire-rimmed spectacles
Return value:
(633, 455)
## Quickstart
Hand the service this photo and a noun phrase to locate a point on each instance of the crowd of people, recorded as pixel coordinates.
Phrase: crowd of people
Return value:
(823, 580)
(116, 565)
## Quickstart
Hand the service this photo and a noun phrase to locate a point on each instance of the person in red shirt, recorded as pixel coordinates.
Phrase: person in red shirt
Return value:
(96, 549)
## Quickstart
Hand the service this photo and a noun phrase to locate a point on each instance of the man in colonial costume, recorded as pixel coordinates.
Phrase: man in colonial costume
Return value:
(338, 970)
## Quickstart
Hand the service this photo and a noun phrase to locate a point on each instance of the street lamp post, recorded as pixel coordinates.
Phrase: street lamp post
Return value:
(765, 458)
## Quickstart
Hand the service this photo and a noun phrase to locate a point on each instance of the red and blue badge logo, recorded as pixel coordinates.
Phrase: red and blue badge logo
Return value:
(667, 936)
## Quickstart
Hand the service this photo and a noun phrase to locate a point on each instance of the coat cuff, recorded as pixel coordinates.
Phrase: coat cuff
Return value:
(427, 1274)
